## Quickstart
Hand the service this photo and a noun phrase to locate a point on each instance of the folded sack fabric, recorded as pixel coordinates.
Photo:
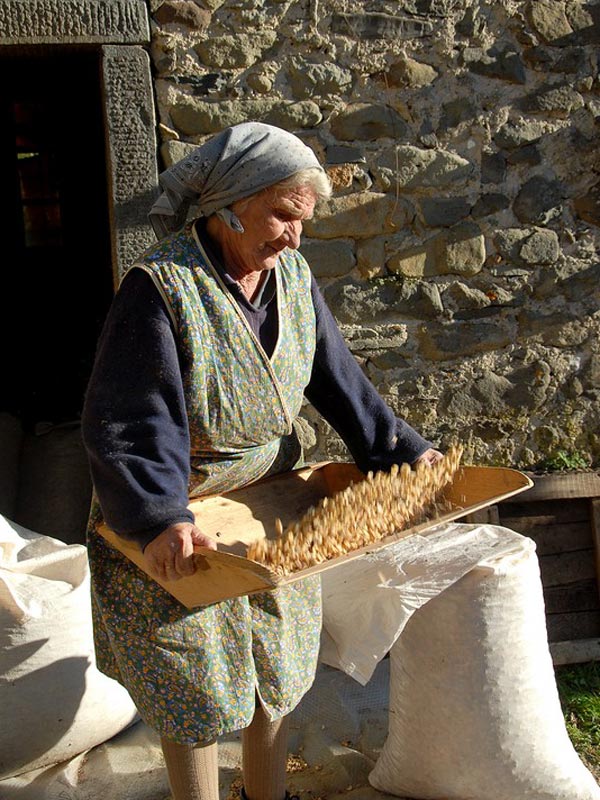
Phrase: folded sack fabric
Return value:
(54, 701)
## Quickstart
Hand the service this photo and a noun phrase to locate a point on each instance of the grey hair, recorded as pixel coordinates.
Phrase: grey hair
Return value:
(313, 177)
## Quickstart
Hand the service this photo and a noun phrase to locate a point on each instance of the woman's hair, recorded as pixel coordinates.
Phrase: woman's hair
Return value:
(316, 179)
(313, 177)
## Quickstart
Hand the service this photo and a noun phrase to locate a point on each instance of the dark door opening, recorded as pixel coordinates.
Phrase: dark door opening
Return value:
(57, 273)
(56, 280)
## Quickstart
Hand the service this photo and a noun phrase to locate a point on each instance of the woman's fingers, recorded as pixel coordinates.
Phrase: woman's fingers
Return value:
(184, 557)
(201, 540)
(171, 555)
(429, 457)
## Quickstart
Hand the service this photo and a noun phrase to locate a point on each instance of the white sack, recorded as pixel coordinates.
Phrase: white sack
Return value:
(368, 601)
(55, 703)
(474, 708)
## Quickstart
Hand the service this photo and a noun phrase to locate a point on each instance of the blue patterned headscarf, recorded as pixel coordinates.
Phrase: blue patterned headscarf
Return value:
(236, 163)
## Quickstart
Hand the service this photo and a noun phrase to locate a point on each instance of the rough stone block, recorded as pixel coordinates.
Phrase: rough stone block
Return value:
(308, 80)
(353, 302)
(197, 117)
(584, 18)
(414, 167)
(359, 216)
(182, 12)
(493, 168)
(542, 247)
(379, 26)
(548, 19)
(505, 65)
(345, 154)
(489, 203)
(461, 251)
(560, 100)
(416, 262)
(444, 342)
(455, 111)
(234, 52)
(409, 73)
(460, 296)
(491, 390)
(174, 150)
(587, 206)
(367, 122)
(519, 133)
(370, 257)
(329, 259)
(584, 287)
(527, 154)
(444, 211)
(538, 201)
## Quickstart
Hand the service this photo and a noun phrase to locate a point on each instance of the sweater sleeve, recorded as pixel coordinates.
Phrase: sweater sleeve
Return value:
(346, 398)
(134, 422)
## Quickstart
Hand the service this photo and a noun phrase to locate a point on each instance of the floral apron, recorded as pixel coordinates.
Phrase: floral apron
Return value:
(194, 675)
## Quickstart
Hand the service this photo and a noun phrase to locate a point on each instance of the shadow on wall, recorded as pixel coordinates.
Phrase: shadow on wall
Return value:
(45, 483)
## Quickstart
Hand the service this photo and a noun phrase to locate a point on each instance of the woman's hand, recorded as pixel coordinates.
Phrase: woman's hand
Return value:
(429, 457)
(171, 555)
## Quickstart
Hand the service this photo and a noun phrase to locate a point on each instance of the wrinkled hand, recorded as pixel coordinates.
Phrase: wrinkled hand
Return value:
(429, 457)
(171, 555)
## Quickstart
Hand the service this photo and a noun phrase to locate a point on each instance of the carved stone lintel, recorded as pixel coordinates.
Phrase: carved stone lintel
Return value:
(73, 22)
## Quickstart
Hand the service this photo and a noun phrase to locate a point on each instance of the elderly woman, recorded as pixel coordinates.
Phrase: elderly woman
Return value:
(215, 336)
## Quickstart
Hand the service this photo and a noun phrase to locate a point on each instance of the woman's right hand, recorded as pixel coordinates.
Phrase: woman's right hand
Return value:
(171, 555)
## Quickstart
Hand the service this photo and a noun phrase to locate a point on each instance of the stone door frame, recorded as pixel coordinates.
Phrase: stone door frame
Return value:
(120, 29)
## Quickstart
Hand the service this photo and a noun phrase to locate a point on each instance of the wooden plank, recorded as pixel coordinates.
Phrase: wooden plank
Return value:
(561, 569)
(485, 516)
(573, 626)
(576, 510)
(564, 485)
(563, 538)
(579, 651)
(580, 596)
(595, 527)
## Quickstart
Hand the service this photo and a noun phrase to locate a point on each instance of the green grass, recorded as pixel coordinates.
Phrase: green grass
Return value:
(579, 690)
(565, 461)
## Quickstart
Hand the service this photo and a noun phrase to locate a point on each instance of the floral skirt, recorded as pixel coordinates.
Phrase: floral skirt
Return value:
(194, 675)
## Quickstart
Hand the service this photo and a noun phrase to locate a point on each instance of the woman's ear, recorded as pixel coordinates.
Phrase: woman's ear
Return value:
(230, 219)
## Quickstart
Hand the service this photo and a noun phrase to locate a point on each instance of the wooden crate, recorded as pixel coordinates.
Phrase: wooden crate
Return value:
(561, 513)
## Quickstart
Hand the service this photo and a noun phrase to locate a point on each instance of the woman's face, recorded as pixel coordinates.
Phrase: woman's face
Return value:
(272, 221)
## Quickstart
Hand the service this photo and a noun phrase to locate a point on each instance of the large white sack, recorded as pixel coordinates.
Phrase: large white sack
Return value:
(368, 601)
(54, 702)
(474, 708)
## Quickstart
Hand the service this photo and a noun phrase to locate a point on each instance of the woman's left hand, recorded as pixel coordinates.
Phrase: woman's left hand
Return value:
(429, 457)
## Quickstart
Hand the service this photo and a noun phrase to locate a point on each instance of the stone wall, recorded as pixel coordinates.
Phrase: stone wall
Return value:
(459, 252)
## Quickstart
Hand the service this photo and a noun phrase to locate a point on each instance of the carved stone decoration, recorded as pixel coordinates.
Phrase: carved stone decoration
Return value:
(73, 22)
(131, 150)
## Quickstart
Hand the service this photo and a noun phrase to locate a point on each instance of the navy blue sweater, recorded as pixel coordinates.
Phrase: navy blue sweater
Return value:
(134, 420)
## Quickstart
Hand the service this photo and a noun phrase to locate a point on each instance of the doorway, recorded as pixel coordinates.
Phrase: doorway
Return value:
(57, 280)
(57, 274)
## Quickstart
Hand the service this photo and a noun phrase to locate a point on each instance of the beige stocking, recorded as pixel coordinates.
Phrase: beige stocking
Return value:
(193, 770)
(265, 756)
